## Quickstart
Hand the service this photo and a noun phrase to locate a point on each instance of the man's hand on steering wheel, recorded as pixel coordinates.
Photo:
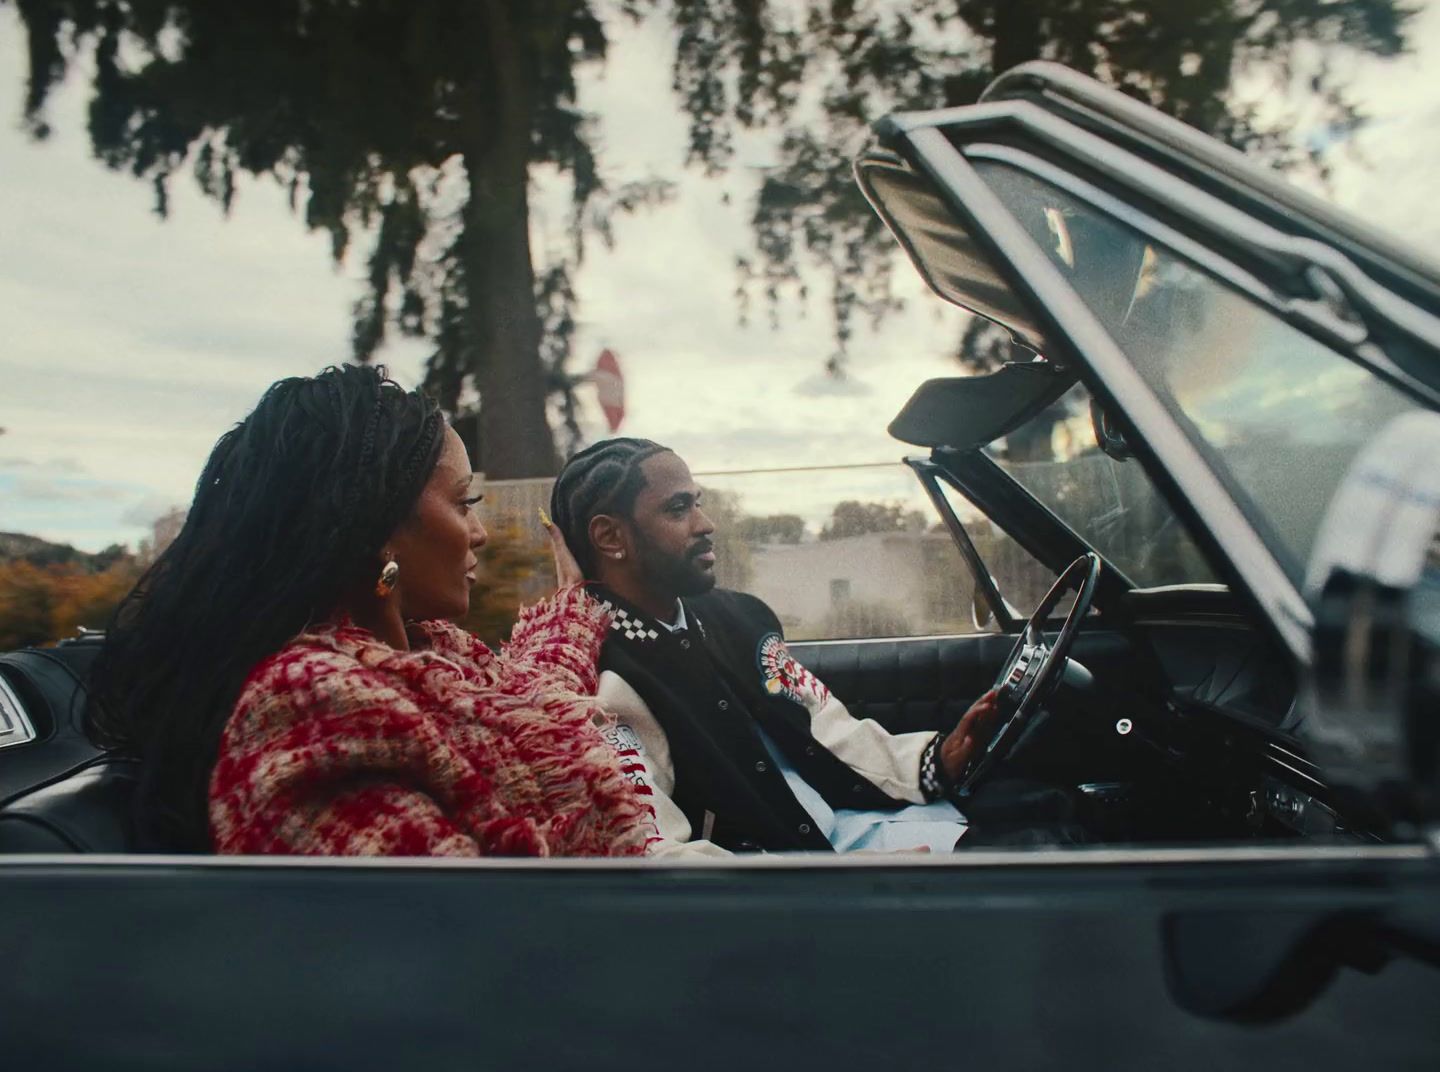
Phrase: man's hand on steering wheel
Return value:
(970, 736)
(1027, 677)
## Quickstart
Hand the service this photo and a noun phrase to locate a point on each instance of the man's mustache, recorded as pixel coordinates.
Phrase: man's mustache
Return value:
(700, 548)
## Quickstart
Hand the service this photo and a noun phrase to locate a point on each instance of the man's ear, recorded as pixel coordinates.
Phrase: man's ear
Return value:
(608, 537)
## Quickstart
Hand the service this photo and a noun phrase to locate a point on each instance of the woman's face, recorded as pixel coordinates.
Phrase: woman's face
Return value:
(436, 547)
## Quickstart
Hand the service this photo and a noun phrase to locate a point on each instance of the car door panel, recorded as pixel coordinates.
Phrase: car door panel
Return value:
(1223, 665)
(912, 683)
(1009, 960)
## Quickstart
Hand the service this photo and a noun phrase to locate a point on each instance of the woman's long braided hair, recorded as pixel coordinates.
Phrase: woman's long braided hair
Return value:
(290, 514)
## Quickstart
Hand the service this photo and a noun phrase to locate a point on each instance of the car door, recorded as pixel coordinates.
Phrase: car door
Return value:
(1231, 958)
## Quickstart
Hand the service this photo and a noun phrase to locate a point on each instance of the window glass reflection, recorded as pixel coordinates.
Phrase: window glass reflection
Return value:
(1278, 414)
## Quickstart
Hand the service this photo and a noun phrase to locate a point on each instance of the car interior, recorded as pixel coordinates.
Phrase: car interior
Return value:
(1171, 719)
(1178, 724)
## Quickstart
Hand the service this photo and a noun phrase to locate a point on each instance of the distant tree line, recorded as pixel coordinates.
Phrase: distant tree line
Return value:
(49, 591)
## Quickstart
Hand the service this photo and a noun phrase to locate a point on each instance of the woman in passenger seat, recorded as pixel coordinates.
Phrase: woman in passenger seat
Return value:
(287, 675)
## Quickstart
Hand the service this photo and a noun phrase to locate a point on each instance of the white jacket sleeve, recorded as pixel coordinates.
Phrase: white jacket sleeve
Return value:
(889, 761)
(644, 753)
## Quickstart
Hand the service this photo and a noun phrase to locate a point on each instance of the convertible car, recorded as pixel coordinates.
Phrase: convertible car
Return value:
(1234, 670)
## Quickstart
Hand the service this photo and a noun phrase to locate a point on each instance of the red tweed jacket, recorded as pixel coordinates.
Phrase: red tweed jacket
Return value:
(341, 745)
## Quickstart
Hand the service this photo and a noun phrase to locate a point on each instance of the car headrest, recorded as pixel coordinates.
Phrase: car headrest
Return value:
(88, 811)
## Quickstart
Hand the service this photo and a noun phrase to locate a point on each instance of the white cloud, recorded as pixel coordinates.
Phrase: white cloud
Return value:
(47, 490)
(824, 385)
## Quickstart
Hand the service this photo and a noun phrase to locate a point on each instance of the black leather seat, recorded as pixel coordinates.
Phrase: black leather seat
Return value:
(88, 811)
(60, 792)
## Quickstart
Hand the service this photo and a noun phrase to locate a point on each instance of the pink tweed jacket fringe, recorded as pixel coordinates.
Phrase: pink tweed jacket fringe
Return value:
(341, 745)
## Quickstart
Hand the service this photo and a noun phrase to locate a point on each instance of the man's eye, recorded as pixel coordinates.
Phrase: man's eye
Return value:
(472, 502)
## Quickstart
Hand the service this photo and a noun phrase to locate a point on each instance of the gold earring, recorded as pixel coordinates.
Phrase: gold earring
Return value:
(388, 576)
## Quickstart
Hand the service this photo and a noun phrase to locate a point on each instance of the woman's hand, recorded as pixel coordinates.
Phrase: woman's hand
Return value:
(567, 570)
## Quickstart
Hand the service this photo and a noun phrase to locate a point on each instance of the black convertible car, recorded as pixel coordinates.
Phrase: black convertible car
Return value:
(1233, 669)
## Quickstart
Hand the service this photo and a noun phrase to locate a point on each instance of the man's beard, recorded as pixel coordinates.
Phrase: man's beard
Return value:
(678, 575)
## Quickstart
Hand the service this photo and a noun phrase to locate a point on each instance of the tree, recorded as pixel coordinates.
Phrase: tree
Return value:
(426, 121)
(88, 599)
(517, 567)
(163, 531)
(859, 59)
(734, 565)
(27, 604)
(863, 618)
(772, 528)
(43, 602)
(853, 518)
(420, 120)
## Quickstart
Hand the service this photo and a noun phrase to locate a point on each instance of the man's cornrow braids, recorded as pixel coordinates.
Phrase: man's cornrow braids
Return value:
(600, 479)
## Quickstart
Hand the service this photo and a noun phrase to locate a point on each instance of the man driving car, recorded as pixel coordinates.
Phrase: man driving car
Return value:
(739, 746)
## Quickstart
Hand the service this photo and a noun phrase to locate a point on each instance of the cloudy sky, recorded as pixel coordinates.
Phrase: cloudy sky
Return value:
(131, 344)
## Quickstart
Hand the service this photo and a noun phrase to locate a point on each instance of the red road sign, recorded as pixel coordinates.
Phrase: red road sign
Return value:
(610, 388)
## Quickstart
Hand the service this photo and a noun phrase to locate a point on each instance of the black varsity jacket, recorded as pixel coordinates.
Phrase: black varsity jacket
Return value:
(688, 706)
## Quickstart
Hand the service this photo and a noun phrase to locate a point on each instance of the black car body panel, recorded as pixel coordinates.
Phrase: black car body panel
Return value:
(1008, 961)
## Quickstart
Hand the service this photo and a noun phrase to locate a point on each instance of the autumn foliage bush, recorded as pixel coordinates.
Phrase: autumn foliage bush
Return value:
(516, 567)
(40, 604)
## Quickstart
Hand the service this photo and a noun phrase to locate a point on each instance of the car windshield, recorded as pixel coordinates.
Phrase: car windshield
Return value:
(1111, 503)
(1277, 414)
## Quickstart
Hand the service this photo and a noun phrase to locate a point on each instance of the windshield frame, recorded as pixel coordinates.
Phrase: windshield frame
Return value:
(1194, 491)
(1244, 237)
(1224, 274)
(935, 144)
(1040, 532)
(1369, 356)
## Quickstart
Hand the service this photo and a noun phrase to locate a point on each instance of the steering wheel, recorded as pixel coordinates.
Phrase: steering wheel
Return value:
(1031, 670)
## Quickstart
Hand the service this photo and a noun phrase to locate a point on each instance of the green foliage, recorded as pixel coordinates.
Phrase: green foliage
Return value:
(853, 518)
(516, 567)
(860, 618)
(417, 121)
(772, 528)
(41, 603)
(734, 566)
(859, 59)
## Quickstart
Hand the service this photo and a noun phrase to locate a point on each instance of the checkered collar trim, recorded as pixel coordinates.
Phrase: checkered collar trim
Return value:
(633, 625)
(630, 626)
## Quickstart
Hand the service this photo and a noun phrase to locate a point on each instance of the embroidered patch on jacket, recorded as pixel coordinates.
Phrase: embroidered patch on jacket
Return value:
(632, 627)
(783, 675)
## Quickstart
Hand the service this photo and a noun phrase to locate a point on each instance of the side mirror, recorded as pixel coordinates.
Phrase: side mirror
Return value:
(1258, 967)
(1108, 435)
(980, 615)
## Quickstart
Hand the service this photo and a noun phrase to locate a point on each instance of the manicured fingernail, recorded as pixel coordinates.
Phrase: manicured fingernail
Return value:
(544, 517)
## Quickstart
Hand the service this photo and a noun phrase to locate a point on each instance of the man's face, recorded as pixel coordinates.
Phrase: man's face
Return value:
(673, 549)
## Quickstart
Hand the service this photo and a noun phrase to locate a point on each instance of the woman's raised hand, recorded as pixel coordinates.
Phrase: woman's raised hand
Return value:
(567, 570)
